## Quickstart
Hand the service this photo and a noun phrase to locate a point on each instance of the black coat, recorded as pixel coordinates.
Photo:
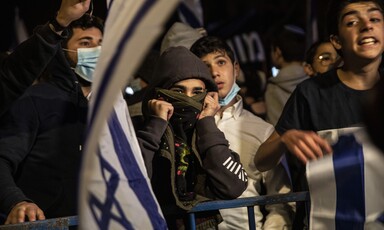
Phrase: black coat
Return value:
(40, 144)
(20, 68)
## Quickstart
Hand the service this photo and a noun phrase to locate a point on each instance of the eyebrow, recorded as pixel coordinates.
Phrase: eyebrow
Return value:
(322, 53)
(185, 88)
(356, 12)
(220, 55)
(85, 38)
(88, 38)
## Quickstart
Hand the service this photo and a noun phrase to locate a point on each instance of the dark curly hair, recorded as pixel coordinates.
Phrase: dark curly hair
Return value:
(210, 44)
(334, 9)
(85, 22)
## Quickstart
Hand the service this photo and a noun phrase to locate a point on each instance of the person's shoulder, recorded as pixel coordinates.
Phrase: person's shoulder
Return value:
(253, 119)
(320, 81)
(42, 87)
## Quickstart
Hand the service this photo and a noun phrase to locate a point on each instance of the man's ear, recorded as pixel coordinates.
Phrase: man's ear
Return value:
(308, 69)
(236, 68)
(278, 52)
(335, 41)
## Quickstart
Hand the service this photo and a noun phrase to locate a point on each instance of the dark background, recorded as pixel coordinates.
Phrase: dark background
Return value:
(233, 20)
(221, 17)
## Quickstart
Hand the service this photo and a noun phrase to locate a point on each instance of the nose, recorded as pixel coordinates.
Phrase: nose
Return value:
(94, 44)
(214, 71)
(366, 25)
(189, 93)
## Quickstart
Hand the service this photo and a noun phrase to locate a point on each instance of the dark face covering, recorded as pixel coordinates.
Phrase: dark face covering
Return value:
(183, 120)
(186, 111)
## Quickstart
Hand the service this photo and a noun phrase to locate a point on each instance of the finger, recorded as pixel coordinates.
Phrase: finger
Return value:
(215, 96)
(300, 155)
(170, 113)
(31, 213)
(40, 215)
(20, 215)
(303, 150)
(206, 101)
(313, 142)
(9, 220)
(323, 146)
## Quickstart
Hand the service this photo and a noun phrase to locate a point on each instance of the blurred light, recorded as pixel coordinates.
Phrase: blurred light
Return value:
(129, 90)
(274, 71)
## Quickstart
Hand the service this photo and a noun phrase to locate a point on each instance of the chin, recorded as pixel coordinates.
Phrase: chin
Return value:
(221, 94)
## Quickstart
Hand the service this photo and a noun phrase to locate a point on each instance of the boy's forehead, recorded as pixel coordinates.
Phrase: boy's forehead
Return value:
(190, 81)
(355, 7)
(216, 54)
(91, 32)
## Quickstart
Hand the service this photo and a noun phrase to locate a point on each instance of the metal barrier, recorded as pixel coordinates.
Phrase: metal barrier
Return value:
(63, 223)
(248, 202)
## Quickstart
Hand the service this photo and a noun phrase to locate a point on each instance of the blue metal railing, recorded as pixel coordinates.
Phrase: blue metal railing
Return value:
(63, 223)
(248, 202)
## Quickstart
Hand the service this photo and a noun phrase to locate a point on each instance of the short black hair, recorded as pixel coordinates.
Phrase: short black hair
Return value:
(334, 9)
(210, 44)
(310, 54)
(290, 39)
(85, 22)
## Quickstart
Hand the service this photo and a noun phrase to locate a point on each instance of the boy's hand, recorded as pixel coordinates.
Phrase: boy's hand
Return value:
(305, 145)
(211, 105)
(22, 210)
(160, 108)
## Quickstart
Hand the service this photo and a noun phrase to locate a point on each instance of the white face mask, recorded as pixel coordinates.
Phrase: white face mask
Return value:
(86, 61)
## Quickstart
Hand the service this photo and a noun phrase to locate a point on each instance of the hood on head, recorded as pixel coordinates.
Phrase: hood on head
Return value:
(181, 34)
(176, 64)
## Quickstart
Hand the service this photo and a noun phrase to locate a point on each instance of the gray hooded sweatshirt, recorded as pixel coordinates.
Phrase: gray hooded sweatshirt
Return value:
(280, 88)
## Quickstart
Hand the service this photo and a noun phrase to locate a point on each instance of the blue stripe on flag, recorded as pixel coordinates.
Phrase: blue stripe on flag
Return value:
(348, 161)
(105, 81)
(189, 15)
(133, 173)
(381, 218)
(103, 209)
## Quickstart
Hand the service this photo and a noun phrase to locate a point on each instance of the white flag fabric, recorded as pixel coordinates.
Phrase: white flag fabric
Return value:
(115, 191)
(347, 187)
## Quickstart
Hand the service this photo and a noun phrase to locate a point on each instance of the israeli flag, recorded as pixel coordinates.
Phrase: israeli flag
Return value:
(347, 187)
(191, 13)
(115, 191)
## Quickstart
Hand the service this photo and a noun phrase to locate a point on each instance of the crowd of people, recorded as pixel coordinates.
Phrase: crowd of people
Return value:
(199, 138)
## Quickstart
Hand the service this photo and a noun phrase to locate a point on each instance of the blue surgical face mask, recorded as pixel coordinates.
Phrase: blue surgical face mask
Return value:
(86, 62)
(232, 94)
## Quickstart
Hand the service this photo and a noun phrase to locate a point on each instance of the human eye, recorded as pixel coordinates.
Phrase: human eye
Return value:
(375, 19)
(376, 16)
(84, 44)
(177, 90)
(351, 23)
(198, 91)
(350, 19)
(325, 57)
(221, 62)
